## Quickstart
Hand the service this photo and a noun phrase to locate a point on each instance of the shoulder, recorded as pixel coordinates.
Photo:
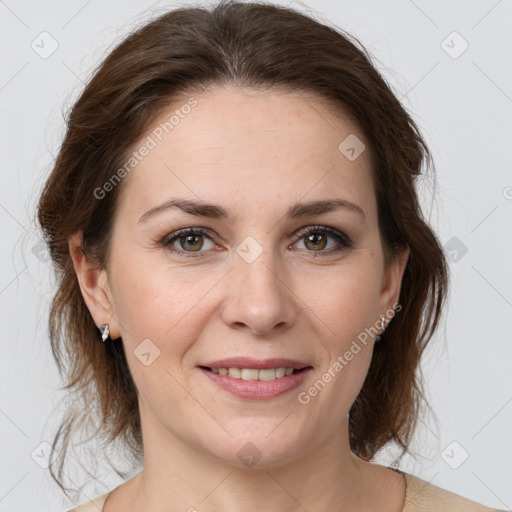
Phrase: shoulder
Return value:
(94, 505)
(422, 496)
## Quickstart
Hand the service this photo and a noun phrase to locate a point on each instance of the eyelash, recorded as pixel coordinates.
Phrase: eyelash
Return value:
(344, 241)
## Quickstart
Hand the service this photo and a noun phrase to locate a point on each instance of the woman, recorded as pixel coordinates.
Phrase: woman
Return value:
(233, 209)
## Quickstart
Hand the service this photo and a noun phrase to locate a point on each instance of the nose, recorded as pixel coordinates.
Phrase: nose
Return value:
(258, 299)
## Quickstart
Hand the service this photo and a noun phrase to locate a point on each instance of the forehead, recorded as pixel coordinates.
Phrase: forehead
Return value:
(252, 148)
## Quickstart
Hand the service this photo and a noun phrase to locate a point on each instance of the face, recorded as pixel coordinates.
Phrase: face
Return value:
(189, 288)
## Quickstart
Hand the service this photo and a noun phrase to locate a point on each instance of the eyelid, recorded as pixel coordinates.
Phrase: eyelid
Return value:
(186, 231)
(333, 232)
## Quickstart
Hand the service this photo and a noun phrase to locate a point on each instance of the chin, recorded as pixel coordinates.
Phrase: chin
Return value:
(261, 451)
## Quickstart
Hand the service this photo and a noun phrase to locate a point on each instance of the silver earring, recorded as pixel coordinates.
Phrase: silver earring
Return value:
(382, 326)
(105, 332)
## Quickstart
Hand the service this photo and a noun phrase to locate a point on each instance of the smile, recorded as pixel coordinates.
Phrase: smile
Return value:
(254, 373)
(256, 384)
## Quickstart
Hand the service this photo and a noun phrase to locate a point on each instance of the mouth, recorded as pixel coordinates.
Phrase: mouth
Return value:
(265, 374)
(255, 378)
(247, 368)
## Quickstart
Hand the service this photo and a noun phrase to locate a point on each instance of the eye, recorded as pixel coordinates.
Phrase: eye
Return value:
(189, 242)
(315, 239)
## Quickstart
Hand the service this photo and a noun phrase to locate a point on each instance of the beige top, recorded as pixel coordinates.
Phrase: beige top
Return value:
(420, 496)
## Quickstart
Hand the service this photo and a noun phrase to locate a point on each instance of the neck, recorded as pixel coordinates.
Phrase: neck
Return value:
(178, 476)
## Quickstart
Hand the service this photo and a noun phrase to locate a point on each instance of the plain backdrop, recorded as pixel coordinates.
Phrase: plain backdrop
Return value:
(449, 63)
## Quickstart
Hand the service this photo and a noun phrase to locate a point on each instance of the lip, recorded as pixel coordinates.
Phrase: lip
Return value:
(257, 389)
(259, 364)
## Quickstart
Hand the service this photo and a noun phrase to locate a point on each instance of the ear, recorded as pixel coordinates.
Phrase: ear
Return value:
(94, 286)
(392, 281)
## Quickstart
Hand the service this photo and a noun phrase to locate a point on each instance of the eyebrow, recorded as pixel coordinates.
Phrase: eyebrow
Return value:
(213, 211)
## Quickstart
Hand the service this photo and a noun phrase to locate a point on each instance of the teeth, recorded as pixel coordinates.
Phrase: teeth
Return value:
(254, 373)
(249, 374)
(267, 374)
(234, 372)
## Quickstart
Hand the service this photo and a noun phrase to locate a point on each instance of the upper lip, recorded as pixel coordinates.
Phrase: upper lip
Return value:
(260, 364)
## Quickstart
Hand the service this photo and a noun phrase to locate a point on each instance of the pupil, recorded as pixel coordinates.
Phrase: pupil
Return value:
(189, 240)
(315, 240)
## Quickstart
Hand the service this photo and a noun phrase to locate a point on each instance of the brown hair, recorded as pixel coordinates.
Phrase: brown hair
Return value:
(256, 45)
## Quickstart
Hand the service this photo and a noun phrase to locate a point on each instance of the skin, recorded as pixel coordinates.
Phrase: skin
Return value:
(255, 153)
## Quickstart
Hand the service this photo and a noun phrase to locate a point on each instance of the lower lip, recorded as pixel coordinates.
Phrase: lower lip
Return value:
(257, 389)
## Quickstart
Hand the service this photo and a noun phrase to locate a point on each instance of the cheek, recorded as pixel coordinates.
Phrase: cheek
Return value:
(344, 299)
(348, 349)
(162, 315)
(162, 304)
(343, 304)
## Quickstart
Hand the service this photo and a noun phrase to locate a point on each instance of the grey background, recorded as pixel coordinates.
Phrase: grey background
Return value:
(462, 101)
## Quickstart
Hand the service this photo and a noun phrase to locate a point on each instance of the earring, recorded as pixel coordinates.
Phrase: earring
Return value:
(105, 332)
(382, 326)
